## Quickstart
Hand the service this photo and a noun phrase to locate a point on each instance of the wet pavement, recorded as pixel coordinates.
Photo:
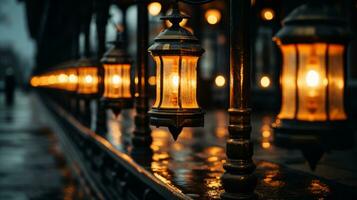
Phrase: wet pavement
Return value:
(193, 163)
(31, 164)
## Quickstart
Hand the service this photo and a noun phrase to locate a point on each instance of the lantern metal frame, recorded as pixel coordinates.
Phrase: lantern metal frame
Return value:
(175, 41)
(117, 55)
(308, 24)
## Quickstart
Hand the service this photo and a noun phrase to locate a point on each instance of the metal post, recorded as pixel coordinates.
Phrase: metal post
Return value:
(238, 180)
(142, 133)
(102, 14)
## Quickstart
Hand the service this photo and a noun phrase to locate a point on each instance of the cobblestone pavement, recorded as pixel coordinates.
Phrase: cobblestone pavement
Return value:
(31, 164)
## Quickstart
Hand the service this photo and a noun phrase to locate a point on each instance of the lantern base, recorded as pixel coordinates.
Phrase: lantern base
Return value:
(116, 105)
(295, 133)
(176, 119)
(87, 96)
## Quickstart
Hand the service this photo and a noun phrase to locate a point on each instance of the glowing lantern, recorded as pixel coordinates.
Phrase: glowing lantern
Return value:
(154, 8)
(267, 14)
(265, 81)
(220, 81)
(176, 52)
(313, 42)
(88, 78)
(117, 79)
(213, 16)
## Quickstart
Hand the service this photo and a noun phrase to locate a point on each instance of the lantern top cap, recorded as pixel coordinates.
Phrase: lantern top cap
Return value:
(176, 40)
(87, 62)
(313, 22)
(117, 54)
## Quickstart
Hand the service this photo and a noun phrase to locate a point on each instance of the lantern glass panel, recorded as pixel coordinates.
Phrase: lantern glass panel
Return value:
(179, 82)
(117, 81)
(336, 82)
(288, 82)
(313, 74)
(312, 82)
(170, 82)
(88, 80)
(189, 82)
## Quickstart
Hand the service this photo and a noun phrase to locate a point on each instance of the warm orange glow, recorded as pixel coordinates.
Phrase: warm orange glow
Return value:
(266, 133)
(152, 80)
(175, 83)
(268, 14)
(265, 81)
(312, 78)
(266, 145)
(154, 8)
(220, 81)
(35, 81)
(312, 82)
(87, 80)
(62, 78)
(117, 81)
(213, 16)
(72, 82)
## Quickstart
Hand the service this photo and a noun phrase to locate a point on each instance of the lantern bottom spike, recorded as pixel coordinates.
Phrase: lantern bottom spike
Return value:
(175, 131)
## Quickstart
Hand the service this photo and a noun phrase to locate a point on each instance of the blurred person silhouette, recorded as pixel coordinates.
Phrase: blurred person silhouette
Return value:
(9, 86)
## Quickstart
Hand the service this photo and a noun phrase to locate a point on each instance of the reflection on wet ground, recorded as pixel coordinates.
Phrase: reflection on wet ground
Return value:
(31, 164)
(193, 163)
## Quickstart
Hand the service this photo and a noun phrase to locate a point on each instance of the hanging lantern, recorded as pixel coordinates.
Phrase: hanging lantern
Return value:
(117, 77)
(313, 78)
(176, 52)
(88, 78)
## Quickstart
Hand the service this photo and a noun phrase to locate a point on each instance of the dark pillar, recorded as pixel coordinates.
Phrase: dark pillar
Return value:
(238, 180)
(142, 133)
(102, 15)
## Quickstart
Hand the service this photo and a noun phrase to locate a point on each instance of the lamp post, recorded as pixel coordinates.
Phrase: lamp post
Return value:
(176, 52)
(239, 181)
(142, 132)
(313, 44)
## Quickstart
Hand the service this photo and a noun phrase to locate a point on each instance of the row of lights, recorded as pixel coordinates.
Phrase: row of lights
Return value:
(312, 79)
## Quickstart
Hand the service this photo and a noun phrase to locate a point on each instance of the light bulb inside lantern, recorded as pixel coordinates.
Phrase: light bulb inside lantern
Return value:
(175, 81)
(116, 79)
(88, 79)
(62, 78)
(312, 78)
(72, 78)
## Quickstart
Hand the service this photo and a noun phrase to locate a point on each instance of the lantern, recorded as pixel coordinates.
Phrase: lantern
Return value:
(313, 76)
(88, 78)
(176, 52)
(117, 79)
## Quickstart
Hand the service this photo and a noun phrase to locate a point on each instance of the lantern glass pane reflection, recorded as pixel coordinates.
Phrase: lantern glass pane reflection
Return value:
(88, 80)
(117, 81)
(178, 82)
(312, 82)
